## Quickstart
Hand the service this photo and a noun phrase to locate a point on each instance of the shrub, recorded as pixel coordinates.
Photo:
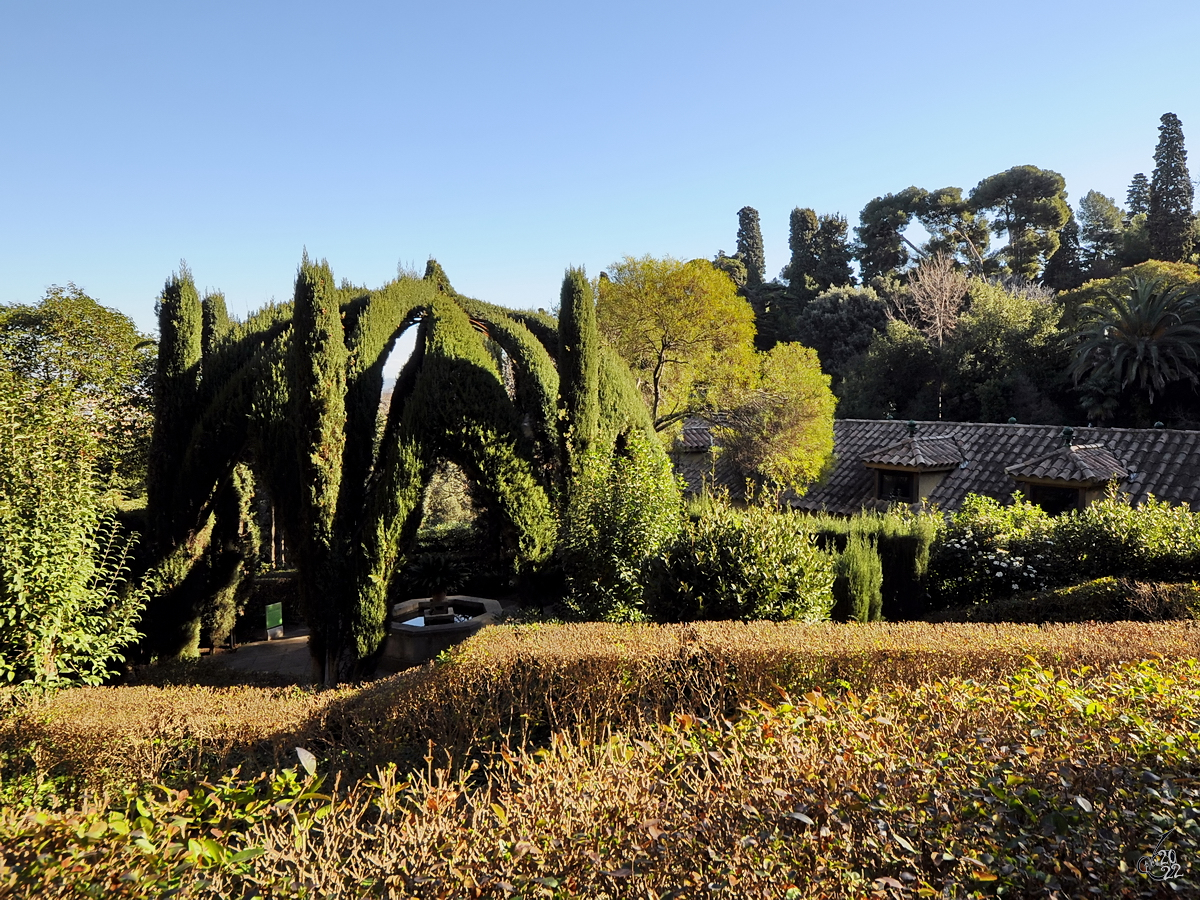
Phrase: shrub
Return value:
(989, 550)
(858, 582)
(68, 610)
(743, 564)
(624, 507)
(1155, 541)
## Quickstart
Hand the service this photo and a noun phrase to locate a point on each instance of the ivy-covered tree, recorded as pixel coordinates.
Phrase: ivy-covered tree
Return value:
(1169, 217)
(839, 325)
(750, 246)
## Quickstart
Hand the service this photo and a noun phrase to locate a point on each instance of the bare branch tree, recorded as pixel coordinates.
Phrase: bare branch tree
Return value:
(939, 289)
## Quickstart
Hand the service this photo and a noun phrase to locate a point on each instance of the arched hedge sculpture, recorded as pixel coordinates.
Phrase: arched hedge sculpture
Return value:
(292, 396)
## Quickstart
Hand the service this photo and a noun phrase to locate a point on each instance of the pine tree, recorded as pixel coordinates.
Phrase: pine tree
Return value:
(750, 246)
(1063, 270)
(1137, 198)
(1169, 218)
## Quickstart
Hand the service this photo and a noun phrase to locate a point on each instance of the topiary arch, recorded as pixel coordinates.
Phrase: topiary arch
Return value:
(292, 395)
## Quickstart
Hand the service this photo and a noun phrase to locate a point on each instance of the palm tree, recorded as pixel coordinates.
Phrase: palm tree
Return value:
(1150, 335)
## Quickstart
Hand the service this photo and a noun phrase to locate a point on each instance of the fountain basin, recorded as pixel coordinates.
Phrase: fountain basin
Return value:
(411, 641)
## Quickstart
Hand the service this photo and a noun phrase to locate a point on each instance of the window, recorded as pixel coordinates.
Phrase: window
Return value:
(1054, 500)
(899, 486)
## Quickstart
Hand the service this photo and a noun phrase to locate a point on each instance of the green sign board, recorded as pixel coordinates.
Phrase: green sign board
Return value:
(274, 615)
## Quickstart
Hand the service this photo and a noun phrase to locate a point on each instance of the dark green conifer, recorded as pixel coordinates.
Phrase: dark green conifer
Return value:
(1064, 271)
(802, 240)
(318, 367)
(832, 267)
(1137, 198)
(1169, 218)
(750, 246)
(578, 363)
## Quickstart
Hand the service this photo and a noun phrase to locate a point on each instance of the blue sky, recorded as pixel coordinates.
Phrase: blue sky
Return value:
(510, 141)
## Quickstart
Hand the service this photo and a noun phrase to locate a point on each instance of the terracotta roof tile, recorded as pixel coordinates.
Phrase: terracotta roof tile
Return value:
(1164, 463)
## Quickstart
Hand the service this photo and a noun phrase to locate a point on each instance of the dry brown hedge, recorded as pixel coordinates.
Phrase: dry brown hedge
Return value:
(520, 684)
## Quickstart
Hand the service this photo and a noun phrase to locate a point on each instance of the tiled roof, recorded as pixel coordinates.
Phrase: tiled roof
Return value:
(919, 452)
(1162, 462)
(1090, 464)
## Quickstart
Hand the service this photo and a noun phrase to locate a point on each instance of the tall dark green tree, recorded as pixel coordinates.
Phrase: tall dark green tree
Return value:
(1064, 272)
(578, 365)
(802, 240)
(1101, 222)
(1031, 207)
(881, 246)
(833, 254)
(1169, 218)
(319, 409)
(1137, 198)
(750, 246)
(954, 228)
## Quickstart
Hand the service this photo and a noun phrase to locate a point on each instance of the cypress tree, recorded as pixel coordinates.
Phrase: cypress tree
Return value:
(216, 321)
(803, 226)
(179, 350)
(1137, 198)
(578, 363)
(318, 367)
(1169, 218)
(750, 246)
(172, 618)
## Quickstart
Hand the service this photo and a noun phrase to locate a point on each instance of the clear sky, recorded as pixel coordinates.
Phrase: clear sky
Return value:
(512, 140)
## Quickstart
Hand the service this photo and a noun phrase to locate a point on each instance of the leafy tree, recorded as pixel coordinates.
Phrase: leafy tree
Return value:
(1064, 270)
(1137, 198)
(1169, 217)
(1148, 334)
(1031, 207)
(680, 326)
(1101, 223)
(839, 325)
(68, 609)
(780, 430)
(98, 356)
(750, 246)
(898, 376)
(1007, 357)
(1135, 241)
(881, 243)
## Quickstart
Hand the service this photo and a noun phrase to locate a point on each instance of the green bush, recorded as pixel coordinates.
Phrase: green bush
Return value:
(858, 582)
(989, 551)
(624, 508)
(67, 609)
(743, 564)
